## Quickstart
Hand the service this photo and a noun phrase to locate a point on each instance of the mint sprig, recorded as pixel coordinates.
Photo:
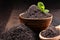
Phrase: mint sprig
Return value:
(41, 6)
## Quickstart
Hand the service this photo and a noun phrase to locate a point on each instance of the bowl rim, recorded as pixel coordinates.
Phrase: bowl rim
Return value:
(20, 16)
(40, 36)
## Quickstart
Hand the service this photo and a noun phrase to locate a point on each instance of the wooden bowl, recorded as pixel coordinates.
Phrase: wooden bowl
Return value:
(36, 23)
(51, 38)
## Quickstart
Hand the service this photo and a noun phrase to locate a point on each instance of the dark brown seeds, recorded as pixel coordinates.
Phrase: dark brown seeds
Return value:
(20, 32)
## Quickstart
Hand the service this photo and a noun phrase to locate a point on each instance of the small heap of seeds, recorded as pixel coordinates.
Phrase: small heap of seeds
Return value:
(20, 32)
(50, 32)
(34, 12)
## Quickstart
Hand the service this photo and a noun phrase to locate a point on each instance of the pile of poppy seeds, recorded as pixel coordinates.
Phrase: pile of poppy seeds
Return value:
(20, 32)
(50, 32)
(34, 12)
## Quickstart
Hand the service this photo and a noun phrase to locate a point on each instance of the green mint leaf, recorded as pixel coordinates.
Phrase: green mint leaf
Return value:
(41, 6)
(46, 11)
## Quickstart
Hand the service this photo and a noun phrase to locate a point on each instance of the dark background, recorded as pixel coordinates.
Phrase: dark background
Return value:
(8, 3)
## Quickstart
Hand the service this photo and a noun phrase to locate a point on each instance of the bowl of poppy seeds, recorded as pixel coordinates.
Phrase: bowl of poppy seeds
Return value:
(50, 33)
(20, 32)
(35, 19)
